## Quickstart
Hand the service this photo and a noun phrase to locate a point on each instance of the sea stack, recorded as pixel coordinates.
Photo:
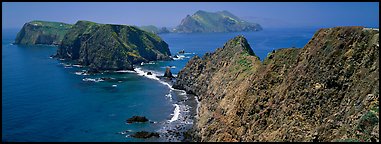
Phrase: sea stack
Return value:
(168, 73)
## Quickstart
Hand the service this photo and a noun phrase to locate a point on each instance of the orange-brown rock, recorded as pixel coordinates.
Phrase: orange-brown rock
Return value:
(326, 91)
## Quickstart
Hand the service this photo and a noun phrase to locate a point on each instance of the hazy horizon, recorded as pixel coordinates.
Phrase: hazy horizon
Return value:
(170, 14)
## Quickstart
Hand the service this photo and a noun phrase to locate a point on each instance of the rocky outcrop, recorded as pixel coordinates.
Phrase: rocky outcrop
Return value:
(168, 73)
(222, 21)
(326, 91)
(42, 32)
(111, 47)
(137, 119)
(145, 134)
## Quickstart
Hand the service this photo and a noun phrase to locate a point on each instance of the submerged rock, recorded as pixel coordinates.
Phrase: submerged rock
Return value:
(137, 119)
(181, 52)
(149, 73)
(145, 134)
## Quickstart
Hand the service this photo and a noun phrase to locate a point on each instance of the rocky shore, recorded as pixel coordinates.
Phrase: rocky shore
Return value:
(326, 91)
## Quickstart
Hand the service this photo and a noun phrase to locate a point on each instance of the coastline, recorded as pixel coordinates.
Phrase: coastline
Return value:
(185, 108)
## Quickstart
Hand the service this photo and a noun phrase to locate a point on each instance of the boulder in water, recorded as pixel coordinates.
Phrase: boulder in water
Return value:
(168, 73)
(137, 119)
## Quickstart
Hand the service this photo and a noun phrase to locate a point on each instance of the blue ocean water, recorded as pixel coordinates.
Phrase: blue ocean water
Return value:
(46, 99)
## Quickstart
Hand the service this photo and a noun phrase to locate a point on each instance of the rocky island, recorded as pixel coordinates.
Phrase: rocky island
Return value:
(326, 91)
(42, 32)
(154, 29)
(99, 46)
(111, 47)
(222, 21)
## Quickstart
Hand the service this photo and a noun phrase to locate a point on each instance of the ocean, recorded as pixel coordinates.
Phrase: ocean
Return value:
(46, 99)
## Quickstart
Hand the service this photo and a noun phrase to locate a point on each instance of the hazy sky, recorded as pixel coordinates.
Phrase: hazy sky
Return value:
(289, 14)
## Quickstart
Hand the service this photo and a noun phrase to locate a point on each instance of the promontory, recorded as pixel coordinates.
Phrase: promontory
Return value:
(326, 91)
(42, 32)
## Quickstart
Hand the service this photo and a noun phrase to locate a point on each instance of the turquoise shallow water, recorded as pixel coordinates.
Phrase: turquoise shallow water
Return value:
(42, 100)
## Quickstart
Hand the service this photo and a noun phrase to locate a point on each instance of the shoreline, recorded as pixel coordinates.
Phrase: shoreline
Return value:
(185, 106)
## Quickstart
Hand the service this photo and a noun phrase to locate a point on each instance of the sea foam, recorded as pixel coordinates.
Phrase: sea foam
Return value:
(179, 57)
(92, 80)
(169, 95)
(125, 71)
(81, 73)
(76, 65)
(153, 76)
(173, 67)
(176, 113)
(198, 106)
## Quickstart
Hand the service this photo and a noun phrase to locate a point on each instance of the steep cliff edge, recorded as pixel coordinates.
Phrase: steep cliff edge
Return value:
(42, 32)
(326, 91)
(111, 47)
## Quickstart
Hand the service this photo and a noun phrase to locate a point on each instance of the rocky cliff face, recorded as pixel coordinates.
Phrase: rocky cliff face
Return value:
(111, 47)
(326, 91)
(42, 32)
(222, 21)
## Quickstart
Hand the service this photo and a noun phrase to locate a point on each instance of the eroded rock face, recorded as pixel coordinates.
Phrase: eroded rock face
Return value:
(325, 91)
(111, 47)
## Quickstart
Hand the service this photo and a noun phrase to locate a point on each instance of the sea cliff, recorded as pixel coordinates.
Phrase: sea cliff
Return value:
(42, 32)
(326, 91)
(111, 47)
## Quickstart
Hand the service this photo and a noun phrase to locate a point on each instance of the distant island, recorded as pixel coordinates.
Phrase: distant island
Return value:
(52, 33)
(203, 21)
(99, 46)
(42, 32)
(154, 29)
(222, 21)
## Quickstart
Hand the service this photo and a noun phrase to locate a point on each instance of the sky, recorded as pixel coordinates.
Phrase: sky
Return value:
(170, 14)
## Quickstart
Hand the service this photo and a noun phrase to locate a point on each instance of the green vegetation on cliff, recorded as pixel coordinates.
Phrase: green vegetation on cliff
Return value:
(222, 21)
(42, 32)
(326, 91)
(111, 47)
